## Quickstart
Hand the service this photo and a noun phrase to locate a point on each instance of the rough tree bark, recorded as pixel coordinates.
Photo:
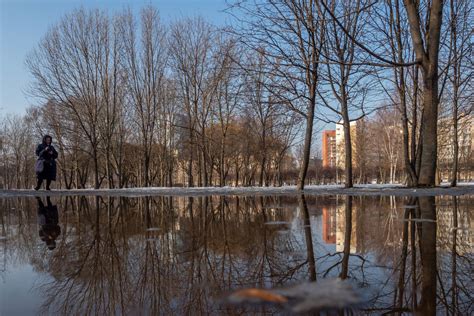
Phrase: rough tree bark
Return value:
(426, 46)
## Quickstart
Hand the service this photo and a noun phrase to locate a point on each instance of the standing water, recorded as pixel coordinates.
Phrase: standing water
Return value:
(188, 255)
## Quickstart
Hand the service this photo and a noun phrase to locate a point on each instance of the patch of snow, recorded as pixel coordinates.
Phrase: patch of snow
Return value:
(330, 189)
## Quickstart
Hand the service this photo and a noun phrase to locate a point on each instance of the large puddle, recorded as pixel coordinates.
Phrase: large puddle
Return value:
(178, 255)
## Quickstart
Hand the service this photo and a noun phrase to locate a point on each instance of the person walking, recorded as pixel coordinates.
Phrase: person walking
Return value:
(46, 163)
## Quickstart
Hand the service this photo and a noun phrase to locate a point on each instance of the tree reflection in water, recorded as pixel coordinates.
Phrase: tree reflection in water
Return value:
(168, 255)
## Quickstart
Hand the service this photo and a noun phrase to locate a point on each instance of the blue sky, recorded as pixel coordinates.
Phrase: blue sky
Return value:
(24, 22)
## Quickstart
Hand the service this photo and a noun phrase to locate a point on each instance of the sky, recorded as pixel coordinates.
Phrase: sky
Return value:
(24, 22)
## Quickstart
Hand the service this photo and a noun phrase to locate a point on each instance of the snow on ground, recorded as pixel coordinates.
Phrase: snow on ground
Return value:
(366, 189)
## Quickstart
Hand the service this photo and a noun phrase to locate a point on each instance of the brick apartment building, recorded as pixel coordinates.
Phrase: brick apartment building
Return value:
(329, 148)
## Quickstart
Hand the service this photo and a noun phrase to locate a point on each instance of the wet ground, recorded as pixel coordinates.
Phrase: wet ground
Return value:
(81, 255)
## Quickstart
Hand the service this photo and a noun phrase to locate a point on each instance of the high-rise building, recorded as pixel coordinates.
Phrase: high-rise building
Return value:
(465, 148)
(340, 145)
(329, 148)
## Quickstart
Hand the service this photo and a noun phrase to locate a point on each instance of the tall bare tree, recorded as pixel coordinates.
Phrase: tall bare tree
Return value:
(425, 35)
(347, 80)
(68, 69)
(291, 32)
(460, 77)
(146, 60)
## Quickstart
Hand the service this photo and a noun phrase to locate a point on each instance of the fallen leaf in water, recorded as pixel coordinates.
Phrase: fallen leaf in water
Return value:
(256, 296)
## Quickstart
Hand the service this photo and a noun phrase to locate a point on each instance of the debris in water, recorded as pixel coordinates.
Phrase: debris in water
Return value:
(324, 295)
(275, 208)
(152, 229)
(256, 296)
(419, 220)
(277, 223)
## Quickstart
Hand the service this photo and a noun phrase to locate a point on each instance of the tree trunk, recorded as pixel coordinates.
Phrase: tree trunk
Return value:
(264, 152)
(409, 166)
(307, 144)
(96, 168)
(429, 130)
(191, 158)
(221, 163)
(426, 47)
(262, 170)
(456, 79)
(347, 151)
(146, 166)
(414, 119)
(454, 175)
(108, 168)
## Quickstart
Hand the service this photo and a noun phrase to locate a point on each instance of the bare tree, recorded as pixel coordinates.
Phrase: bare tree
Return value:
(261, 108)
(229, 95)
(395, 30)
(68, 69)
(181, 99)
(460, 29)
(191, 45)
(425, 35)
(291, 33)
(18, 146)
(146, 61)
(114, 92)
(425, 20)
(347, 80)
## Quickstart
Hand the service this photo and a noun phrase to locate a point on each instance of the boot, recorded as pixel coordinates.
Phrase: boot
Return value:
(38, 185)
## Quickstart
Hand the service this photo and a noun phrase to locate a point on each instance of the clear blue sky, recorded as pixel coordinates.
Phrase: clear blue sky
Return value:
(24, 22)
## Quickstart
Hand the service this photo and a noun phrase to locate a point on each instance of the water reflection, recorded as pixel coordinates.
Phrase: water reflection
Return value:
(48, 220)
(308, 237)
(168, 255)
(428, 255)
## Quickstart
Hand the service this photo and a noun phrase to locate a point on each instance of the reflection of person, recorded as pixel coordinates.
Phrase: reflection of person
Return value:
(46, 152)
(48, 220)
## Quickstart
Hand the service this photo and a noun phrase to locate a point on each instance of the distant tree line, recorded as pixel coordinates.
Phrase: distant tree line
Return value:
(131, 101)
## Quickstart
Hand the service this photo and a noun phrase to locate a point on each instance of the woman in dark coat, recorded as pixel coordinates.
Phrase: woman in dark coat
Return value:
(48, 154)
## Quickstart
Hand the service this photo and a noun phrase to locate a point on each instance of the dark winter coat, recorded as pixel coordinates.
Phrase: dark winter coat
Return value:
(49, 157)
(48, 219)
